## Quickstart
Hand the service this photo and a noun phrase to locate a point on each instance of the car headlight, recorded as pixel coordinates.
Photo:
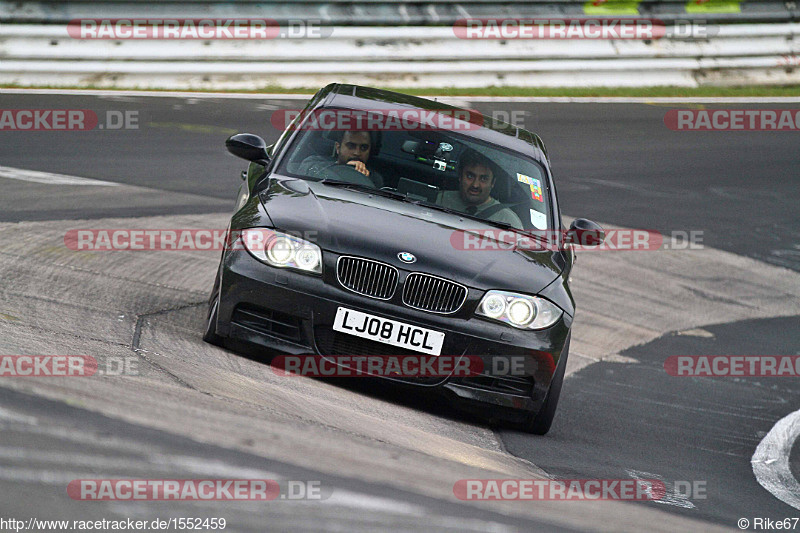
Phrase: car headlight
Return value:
(282, 250)
(519, 310)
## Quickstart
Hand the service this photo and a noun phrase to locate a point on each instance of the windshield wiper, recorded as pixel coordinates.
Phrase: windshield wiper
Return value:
(371, 190)
(473, 217)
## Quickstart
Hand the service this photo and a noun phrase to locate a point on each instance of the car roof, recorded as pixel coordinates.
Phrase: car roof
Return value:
(494, 131)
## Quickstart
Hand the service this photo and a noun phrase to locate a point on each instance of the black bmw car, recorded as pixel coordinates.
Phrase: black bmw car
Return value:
(381, 224)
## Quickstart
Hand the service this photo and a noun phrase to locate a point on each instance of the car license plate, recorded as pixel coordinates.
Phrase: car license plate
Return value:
(388, 331)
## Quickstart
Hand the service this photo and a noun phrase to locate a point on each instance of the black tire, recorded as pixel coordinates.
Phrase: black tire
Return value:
(540, 424)
(210, 334)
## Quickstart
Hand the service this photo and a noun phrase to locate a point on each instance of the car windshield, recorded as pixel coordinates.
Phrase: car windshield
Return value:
(441, 169)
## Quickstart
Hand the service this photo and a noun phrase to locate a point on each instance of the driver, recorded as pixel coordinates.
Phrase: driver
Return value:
(475, 183)
(353, 149)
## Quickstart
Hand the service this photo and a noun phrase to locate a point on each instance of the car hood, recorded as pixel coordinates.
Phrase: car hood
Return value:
(350, 222)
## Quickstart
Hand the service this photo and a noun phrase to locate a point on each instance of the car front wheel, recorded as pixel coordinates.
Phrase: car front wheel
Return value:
(210, 334)
(541, 422)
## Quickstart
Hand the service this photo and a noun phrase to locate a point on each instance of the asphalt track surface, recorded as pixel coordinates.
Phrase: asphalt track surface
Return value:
(620, 417)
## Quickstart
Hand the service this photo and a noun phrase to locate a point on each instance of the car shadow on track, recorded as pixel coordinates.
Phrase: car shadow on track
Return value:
(426, 399)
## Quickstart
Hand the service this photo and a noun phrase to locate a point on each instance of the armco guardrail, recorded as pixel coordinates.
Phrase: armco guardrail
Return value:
(410, 12)
(734, 54)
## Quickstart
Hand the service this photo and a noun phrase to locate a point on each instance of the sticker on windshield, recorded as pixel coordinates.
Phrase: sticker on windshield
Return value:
(539, 220)
(535, 185)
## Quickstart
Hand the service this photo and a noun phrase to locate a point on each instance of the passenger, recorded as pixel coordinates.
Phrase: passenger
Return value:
(473, 197)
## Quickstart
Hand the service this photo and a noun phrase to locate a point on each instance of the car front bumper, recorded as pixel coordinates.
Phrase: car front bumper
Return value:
(293, 313)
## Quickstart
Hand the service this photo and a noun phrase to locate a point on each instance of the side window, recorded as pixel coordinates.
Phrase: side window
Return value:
(311, 145)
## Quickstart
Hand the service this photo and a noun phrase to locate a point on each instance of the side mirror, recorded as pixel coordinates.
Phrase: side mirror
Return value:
(585, 233)
(248, 146)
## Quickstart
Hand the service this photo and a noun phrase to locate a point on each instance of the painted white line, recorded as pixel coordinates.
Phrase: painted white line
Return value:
(48, 477)
(670, 497)
(770, 462)
(160, 94)
(366, 502)
(156, 462)
(50, 178)
(377, 504)
(476, 99)
(639, 99)
(69, 435)
(7, 415)
(11, 455)
(203, 466)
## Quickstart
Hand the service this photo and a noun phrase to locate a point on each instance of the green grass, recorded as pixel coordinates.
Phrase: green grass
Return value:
(756, 90)
(613, 91)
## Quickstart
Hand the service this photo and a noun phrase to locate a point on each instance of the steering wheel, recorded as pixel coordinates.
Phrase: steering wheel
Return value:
(347, 173)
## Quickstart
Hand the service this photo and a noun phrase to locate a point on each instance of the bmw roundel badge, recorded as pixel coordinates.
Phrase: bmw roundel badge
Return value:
(406, 257)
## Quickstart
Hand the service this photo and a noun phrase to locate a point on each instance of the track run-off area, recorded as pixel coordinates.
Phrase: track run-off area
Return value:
(169, 406)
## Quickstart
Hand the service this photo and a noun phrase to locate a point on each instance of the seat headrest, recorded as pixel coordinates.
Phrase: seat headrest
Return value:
(322, 144)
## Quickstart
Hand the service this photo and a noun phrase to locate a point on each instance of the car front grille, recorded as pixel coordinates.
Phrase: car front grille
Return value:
(332, 342)
(517, 385)
(430, 293)
(268, 321)
(367, 277)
